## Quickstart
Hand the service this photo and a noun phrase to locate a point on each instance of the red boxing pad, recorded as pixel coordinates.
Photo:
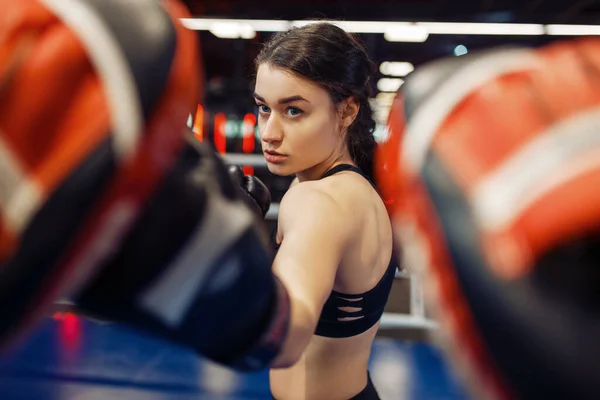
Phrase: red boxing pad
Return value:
(94, 105)
(387, 171)
(497, 170)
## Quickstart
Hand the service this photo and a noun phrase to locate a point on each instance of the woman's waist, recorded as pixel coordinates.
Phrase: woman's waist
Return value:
(335, 379)
(327, 366)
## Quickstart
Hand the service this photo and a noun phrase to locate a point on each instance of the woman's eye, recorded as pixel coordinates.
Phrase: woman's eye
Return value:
(263, 109)
(294, 112)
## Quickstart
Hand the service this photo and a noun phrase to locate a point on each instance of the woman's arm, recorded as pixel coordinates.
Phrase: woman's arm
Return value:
(315, 231)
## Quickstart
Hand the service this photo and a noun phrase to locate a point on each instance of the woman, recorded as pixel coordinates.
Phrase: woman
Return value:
(334, 234)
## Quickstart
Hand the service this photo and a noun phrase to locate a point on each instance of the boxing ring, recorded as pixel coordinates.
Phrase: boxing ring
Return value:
(416, 317)
(74, 357)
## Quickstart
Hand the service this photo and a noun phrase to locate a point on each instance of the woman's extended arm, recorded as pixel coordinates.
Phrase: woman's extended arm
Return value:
(315, 230)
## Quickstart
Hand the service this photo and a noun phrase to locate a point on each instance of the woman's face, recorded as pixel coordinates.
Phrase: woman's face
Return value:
(299, 128)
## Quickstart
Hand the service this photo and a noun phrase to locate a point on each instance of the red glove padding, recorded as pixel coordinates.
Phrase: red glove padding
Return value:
(90, 123)
(491, 175)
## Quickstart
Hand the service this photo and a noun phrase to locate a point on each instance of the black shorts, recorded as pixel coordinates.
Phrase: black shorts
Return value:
(368, 393)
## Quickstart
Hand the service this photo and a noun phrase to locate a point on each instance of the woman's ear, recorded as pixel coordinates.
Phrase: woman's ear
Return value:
(348, 111)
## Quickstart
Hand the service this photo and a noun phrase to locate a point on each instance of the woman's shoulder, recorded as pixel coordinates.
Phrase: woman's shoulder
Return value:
(349, 188)
(343, 192)
(309, 194)
(311, 205)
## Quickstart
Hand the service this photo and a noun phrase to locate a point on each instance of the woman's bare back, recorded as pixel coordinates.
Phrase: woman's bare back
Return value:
(336, 368)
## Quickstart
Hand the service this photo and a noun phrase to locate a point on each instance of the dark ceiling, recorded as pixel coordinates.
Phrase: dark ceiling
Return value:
(546, 11)
(228, 63)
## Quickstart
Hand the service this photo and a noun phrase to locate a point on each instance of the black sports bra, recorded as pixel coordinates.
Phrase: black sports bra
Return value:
(370, 304)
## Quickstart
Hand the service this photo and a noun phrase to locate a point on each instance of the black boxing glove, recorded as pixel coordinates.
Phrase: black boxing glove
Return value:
(196, 270)
(254, 192)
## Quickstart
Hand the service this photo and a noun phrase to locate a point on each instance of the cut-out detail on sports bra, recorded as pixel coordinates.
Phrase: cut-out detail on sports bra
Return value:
(336, 320)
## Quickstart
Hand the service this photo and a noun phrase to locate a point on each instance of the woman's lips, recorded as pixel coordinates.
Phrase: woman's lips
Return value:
(274, 157)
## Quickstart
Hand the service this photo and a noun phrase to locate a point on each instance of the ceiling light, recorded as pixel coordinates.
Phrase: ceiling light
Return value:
(258, 25)
(232, 30)
(573, 29)
(396, 68)
(399, 30)
(389, 84)
(405, 33)
(460, 50)
(476, 28)
(351, 26)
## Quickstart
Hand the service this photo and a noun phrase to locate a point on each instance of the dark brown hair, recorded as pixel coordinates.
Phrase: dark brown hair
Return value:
(336, 61)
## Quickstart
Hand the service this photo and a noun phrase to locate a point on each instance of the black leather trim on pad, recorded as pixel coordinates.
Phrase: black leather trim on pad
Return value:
(172, 215)
(148, 43)
(50, 233)
(539, 345)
